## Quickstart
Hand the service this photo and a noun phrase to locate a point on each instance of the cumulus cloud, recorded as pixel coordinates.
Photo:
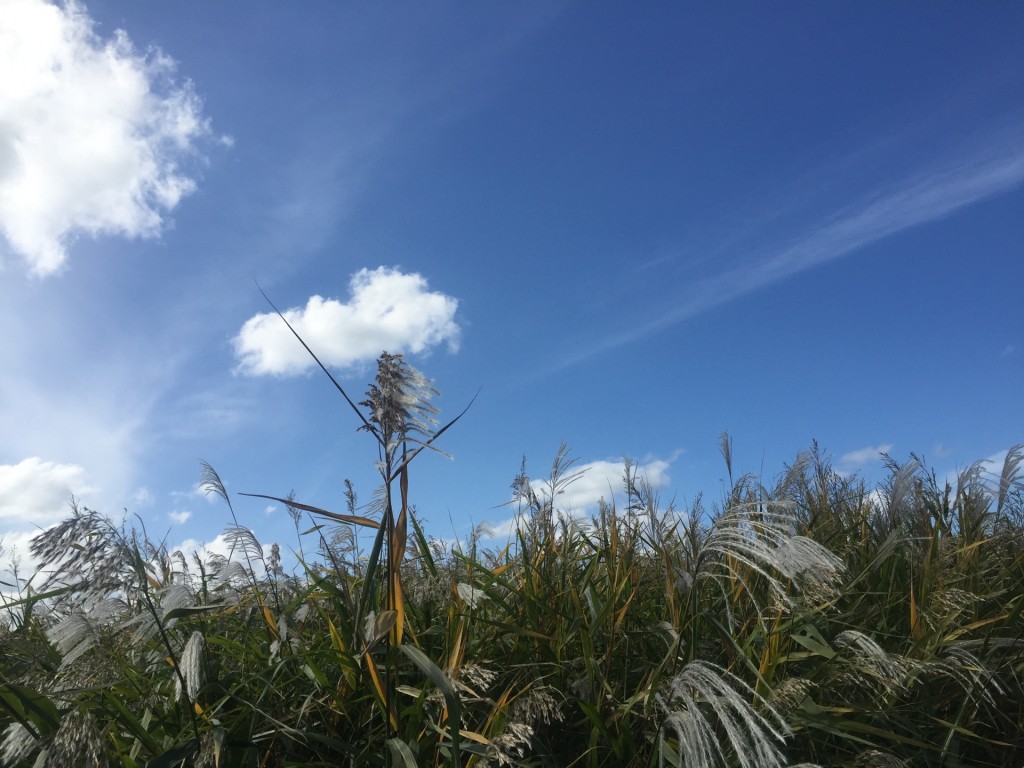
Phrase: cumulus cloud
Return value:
(92, 132)
(221, 546)
(603, 480)
(598, 480)
(180, 518)
(37, 492)
(218, 546)
(143, 496)
(387, 310)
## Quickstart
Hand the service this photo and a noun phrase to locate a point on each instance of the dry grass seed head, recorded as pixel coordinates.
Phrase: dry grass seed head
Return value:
(537, 706)
(191, 668)
(470, 595)
(17, 744)
(876, 758)
(761, 537)
(869, 665)
(76, 742)
(967, 671)
(476, 677)
(750, 736)
(510, 747)
(399, 402)
(74, 636)
(790, 694)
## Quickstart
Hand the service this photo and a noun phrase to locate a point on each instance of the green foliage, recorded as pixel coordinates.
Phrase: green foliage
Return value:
(809, 622)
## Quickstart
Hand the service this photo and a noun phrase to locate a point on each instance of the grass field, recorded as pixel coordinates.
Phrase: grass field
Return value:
(805, 619)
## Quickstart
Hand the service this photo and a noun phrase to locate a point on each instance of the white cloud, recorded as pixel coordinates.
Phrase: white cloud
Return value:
(388, 310)
(221, 546)
(143, 496)
(856, 459)
(218, 546)
(37, 492)
(601, 479)
(503, 530)
(34, 495)
(91, 133)
(195, 492)
(17, 564)
(180, 518)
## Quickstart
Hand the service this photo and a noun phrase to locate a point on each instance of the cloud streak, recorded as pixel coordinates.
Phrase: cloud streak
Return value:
(924, 198)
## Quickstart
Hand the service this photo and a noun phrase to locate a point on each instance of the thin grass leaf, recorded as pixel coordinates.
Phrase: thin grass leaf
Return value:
(451, 696)
(401, 753)
(353, 519)
(366, 424)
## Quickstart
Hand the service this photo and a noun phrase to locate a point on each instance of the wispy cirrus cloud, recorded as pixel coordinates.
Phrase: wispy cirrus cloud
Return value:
(388, 310)
(92, 132)
(916, 199)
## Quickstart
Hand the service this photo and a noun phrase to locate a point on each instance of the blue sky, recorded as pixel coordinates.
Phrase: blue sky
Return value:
(629, 231)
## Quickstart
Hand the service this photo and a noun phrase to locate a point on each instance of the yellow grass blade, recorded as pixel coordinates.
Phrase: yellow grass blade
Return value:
(379, 686)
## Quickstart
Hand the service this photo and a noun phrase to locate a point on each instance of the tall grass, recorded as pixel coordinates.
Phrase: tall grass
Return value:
(805, 621)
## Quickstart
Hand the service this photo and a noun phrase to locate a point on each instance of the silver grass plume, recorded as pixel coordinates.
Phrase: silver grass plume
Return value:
(169, 598)
(761, 536)
(869, 664)
(17, 744)
(470, 595)
(969, 481)
(510, 747)
(971, 674)
(76, 742)
(87, 551)
(750, 737)
(525, 713)
(210, 748)
(876, 758)
(191, 668)
(210, 482)
(227, 575)
(946, 605)
(788, 695)
(399, 403)
(73, 637)
(475, 678)
(244, 540)
(1009, 478)
(900, 491)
